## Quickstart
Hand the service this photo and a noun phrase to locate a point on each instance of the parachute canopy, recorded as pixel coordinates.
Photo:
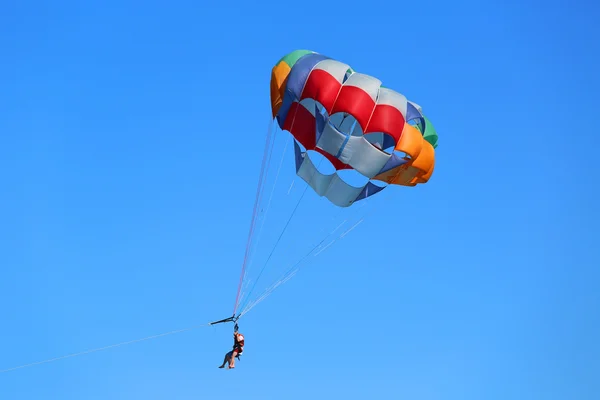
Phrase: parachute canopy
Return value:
(354, 122)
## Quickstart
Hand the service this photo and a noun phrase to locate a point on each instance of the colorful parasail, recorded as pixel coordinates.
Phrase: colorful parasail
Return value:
(354, 122)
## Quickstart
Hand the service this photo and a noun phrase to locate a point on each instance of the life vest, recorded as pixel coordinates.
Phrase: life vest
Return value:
(239, 340)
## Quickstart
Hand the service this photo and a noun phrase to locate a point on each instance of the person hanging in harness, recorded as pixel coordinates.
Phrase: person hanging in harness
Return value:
(238, 349)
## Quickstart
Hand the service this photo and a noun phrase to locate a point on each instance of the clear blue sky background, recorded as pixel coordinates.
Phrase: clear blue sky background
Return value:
(131, 134)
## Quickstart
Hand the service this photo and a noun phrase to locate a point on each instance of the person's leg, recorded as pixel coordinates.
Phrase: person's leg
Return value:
(226, 359)
(232, 359)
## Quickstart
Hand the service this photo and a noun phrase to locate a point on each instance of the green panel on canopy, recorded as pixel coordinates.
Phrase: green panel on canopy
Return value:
(291, 58)
(430, 134)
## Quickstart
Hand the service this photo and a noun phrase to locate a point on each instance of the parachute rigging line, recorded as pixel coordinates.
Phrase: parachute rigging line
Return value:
(81, 353)
(264, 218)
(291, 272)
(277, 242)
(282, 233)
(288, 275)
(263, 171)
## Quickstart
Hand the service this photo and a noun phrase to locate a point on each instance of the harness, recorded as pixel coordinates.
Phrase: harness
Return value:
(238, 346)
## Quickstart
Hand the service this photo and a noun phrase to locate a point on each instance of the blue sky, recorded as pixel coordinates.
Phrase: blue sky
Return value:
(131, 135)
